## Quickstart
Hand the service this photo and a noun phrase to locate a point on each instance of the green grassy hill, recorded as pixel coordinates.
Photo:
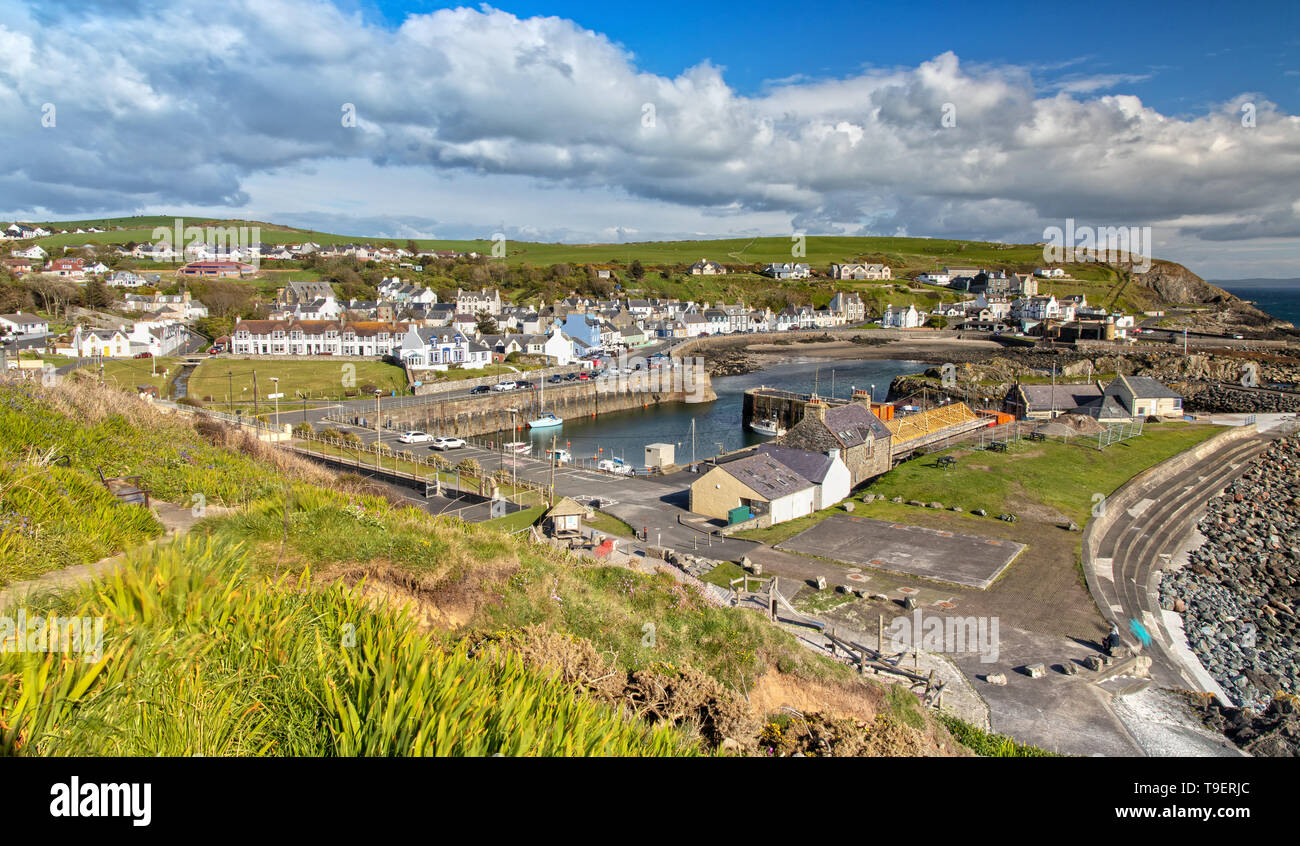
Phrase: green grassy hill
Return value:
(666, 262)
(313, 614)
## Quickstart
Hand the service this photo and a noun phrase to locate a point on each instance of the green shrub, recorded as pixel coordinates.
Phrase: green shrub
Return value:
(201, 658)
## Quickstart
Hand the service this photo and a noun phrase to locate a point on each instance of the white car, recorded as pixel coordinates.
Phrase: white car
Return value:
(504, 386)
(415, 437)
(447, 443)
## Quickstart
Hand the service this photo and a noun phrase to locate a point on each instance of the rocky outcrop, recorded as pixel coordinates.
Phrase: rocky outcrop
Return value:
(1174, 284)
(1207, 381)
(1272, 734)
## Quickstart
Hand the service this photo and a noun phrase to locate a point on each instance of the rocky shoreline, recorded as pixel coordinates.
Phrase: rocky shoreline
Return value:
(1240, 590)
(1207, 381)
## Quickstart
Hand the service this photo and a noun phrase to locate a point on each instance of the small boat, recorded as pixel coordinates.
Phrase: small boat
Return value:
(616, 466)
(547, 419)
(519, 447)
(560, 454)
(770, 427)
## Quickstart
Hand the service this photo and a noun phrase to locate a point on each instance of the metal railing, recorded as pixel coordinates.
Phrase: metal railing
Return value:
(433, 467)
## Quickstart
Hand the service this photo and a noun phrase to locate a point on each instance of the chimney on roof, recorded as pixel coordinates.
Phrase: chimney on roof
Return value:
(817, 407)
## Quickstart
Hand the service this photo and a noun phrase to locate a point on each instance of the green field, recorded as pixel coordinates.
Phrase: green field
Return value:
(1062, 476)
(317, 379)
(819, 251)
(130, 373)
(665, 263)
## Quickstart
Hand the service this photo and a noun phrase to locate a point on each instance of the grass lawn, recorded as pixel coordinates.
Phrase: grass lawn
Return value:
(127, 373)
(318, 379)
(518, 520)
(611, 525)
(1064, 477)
(53, 360)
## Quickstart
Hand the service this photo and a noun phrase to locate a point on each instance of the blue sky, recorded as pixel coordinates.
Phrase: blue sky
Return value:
(1192, 53)
(585, 121)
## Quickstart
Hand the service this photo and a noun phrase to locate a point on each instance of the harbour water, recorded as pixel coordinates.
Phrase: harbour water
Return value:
(625, 434)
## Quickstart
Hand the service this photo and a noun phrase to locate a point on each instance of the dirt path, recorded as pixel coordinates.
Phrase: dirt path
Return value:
(176, 520)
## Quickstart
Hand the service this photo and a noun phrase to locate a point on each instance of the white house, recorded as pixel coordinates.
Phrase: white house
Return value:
(704, 267)
(472, 302)
(35, 251)
(787, 270)
(158, 337)
(850, 305)
(861, 271)
(827, 471)
(901, 318)
(438, 349)
(23, 325)
(93, 343)
(371, 339)
(125, 279)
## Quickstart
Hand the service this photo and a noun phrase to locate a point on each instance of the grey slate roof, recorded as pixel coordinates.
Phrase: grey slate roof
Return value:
(845, 427)
(813, 466)
(1146, 387)
(1066, 397)
(766, 476)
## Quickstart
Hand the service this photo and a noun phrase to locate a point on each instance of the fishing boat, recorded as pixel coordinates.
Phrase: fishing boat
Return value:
(560, 454)
(547, 419)
(519, 447)
(771, 427)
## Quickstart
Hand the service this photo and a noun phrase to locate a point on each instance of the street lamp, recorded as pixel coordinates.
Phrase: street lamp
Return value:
(275, 394)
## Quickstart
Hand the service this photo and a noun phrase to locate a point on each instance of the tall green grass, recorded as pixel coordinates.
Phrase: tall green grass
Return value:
(202, 657)
(53, 517)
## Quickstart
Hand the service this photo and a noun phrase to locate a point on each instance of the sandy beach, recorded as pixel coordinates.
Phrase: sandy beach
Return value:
(919, 349)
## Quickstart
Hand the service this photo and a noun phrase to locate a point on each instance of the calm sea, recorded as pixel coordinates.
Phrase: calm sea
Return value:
(1278, 297)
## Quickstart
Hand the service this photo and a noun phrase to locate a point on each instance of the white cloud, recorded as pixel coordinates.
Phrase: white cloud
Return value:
(170, 106)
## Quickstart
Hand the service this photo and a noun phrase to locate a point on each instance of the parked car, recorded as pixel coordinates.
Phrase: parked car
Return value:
(447, 443)
(504, 386)
(481, 389)
(583, 375)
(572, 377)
(414, 437)
(555, 378)
(524, 385)
(150, 355)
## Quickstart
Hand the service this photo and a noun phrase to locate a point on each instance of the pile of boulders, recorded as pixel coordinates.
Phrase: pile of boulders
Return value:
(1240, 590)
(1273, 733)
(1228, 399)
